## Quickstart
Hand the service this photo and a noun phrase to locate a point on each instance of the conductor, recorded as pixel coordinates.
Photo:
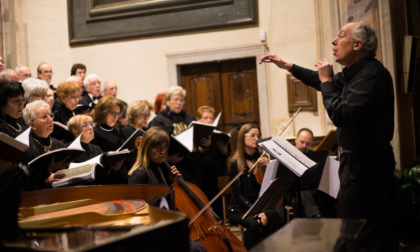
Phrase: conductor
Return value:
(360, 102)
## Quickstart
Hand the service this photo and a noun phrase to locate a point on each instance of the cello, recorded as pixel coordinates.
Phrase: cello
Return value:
(206, 228)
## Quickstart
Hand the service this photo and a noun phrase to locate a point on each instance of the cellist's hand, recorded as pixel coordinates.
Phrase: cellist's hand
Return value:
(175, 171)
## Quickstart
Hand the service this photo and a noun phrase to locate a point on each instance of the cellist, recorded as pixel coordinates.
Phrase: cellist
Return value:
(148, 167)
(245, 190)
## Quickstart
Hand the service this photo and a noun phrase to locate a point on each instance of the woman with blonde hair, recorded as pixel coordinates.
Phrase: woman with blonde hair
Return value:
(245, 189)
(149, 167)
(138, 112)
(83, 124)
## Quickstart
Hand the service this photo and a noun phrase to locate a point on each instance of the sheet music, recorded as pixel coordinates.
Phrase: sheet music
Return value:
(24, 136)
(76, 144)
(186, 138)
(216, 121)
(288, 155)
(330, 182)
(269, 175)
(94, 160)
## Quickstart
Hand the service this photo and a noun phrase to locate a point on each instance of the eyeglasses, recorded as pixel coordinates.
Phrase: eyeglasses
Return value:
(144, 115)
(75, 97)
(45, 117)
(41, 96)
(113, 113)
(85, 125)
(178, 100)
(47, 72)
(18, 101)
(253, 136)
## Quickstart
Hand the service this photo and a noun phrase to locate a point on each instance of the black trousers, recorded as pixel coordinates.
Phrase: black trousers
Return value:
(365, 180)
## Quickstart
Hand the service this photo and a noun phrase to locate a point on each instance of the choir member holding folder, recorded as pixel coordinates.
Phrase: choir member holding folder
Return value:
(106, 114)
(11, 107)
(83, 124)
(138, 113)
(38, 115)
(175, 116)
(106, 174)
(245, 189)
(213, 161)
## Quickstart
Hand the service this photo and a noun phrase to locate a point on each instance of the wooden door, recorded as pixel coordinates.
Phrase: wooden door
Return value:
(229, 87)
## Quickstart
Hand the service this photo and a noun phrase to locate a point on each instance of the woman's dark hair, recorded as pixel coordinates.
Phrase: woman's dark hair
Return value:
(9, 90)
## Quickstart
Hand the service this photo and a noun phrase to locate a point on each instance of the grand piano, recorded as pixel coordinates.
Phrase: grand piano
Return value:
(148, 229)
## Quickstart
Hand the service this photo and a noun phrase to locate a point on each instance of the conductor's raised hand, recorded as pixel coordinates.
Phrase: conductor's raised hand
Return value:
(272, 58)
(325, 70)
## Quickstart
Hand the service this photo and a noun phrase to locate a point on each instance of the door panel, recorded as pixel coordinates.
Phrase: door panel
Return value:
(229, 87)
(202, 83)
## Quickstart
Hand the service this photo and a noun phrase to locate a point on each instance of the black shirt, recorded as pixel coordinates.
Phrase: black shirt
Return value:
(91, 151)
(38, 175)
(245, 189)
(63, 114)
(156, 176)
(360, 103)
(11, 126)
(179, 121)
(108, 138)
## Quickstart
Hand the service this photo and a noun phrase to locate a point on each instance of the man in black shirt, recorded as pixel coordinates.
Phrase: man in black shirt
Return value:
(360, 102)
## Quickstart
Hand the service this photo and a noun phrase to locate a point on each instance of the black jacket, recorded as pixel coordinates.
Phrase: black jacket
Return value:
(360, 103)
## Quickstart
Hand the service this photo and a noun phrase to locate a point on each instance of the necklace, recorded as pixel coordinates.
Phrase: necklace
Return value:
(17, 130)
(46, 148)
(111, 129)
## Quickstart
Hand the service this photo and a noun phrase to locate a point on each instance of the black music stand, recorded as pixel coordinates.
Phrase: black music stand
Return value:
(289, 183)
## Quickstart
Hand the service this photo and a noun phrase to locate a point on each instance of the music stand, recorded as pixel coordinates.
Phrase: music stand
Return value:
(287, 182)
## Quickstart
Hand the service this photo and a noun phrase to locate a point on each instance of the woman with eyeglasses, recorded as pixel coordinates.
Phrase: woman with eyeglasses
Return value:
(106, 114)
(11, 107)
(83, 124)
(246, 188)
(68, 94)
(35, 89)
(38, 116)
(138, 113)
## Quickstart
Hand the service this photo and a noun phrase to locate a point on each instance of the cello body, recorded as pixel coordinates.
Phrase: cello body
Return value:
(206, 229)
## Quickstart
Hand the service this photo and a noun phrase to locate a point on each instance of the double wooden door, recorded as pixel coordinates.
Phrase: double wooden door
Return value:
(228, 86)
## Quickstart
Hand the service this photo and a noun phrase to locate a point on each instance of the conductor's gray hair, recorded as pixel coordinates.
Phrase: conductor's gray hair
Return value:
(365, 33)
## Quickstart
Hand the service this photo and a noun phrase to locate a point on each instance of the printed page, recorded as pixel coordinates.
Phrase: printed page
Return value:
(330, 182)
